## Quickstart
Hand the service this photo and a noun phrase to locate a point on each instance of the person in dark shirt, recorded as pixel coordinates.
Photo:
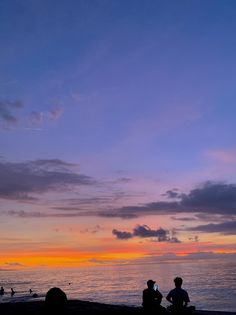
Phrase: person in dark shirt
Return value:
(179, 298)
(152, 299)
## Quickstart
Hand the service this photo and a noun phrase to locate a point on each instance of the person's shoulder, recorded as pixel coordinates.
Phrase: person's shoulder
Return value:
(184, 291)
(171, 292)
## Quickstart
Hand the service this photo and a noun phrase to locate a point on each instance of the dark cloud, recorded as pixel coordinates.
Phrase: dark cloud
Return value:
(7, 115)
(39, 214)
(226, 228)
(187, 219)
(19, 180)
(143, 231)
(212, 197)
(122, 235)
(209, 198)
(172, 194)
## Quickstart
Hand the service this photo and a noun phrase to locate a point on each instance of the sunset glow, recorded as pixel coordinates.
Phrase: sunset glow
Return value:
(117, 132)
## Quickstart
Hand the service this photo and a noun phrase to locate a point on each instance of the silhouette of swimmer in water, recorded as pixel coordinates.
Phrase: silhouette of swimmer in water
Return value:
(12, 292)
(30, 291)
(2, 291)
(152, 299)
(56, 301)
(179, 299)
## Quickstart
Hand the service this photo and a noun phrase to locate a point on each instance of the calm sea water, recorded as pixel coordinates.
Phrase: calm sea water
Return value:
(211, 284)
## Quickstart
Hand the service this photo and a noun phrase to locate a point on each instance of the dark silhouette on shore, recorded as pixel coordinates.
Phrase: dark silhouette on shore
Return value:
(179, 299)
(30, 291)
(2, 291)
(56, 301)
(152, 299)
(12, 292)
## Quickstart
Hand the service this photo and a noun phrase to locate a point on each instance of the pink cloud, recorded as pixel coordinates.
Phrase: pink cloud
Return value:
(222, 156)
(55, 114)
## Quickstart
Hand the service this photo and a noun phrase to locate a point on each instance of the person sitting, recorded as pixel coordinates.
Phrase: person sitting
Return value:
(56, 301)
(152, 299)
(2, 291)
(179, 299)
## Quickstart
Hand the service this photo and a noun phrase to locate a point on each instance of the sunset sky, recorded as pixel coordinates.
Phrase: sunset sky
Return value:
(117, 131)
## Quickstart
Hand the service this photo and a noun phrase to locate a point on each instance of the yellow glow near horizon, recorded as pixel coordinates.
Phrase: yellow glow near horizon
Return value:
(70, 258)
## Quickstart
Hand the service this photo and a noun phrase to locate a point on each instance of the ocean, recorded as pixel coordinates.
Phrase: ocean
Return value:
(211, 284)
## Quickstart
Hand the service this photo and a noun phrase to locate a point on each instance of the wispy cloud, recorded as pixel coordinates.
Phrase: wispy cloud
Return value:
(55, 114)
(19, 180)
(143, 231)
(97, 228)
(222, 156)
(225, 228)
(14, 264)
(8, 117)
(36, 117)
(40, 117)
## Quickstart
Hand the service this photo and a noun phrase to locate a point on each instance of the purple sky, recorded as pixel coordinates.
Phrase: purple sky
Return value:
(118, 116)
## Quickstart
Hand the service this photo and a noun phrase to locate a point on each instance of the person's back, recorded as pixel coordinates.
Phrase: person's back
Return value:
(179, 298)
(56, 301)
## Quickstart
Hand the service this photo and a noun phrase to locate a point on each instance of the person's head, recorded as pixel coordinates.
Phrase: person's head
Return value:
(178, 282)
(56, 300)
(150, 284)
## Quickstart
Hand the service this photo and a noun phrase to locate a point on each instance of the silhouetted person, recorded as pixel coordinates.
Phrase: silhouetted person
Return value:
(152, 299)
(179, 299)
(30, 291)
(12, 292)
(56, 301)
(2, 291)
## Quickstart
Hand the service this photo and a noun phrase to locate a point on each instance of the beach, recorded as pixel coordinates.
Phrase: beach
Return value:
(84, 308)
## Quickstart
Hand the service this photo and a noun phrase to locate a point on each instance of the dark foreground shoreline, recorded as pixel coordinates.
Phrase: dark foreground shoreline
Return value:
(83, 308)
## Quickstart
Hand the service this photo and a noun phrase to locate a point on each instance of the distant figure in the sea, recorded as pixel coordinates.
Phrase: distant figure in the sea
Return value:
(12, 292)
(179, 299)
(2, 291)
(56, 301)
(152, 298)
(30, 291)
